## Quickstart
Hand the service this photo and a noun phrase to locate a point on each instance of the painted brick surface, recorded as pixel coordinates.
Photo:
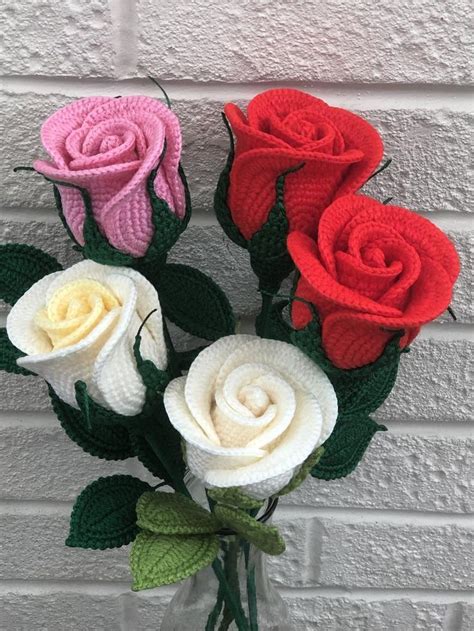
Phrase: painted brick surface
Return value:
(305, 40)
(420, 141)
(395, 556)
(56, 37)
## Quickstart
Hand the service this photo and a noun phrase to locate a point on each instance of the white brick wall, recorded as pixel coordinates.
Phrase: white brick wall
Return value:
(386, 549)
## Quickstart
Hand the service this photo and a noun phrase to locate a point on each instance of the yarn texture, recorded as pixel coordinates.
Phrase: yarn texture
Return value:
(287, 128)
(96, 311)
(374, 270)
(251, 411)
(109, 147)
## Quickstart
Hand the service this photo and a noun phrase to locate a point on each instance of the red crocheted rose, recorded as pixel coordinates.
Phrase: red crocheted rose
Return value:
(283, 129)
(374, 270)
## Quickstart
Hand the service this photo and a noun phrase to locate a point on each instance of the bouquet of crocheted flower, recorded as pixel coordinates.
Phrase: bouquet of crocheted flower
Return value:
(250, 417)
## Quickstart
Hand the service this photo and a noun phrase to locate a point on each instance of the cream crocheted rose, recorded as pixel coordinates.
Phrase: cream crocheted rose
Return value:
(251, 410)
(80, 325)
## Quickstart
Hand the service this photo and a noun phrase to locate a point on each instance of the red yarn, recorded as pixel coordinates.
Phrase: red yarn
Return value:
(374, 270)
(283, 129)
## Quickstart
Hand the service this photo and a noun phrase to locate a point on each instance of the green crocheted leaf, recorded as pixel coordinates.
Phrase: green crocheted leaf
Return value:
(306, 468)
(164, 559)
(147, 457)
(194, 302)
(9, 354)
(275, 327)
(104, 514)
(174, 514)
(21, 266)
(221, 209)
(233, 496)
(360, 391)
(265, 537)
(186, 358)
(345, 448)
(108, 442)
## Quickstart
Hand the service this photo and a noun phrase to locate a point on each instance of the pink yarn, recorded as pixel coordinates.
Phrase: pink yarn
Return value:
(109, 146)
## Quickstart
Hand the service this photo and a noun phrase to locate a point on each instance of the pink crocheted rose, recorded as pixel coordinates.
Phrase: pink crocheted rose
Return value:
(109, 146)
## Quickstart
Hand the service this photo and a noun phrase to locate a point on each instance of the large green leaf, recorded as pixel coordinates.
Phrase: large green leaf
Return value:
(359, 391)
(9, 354)
(104, 514)
(164, 559)
(233, 496)
(345, 448)
(265, 537)
(104, 441)
(194, 302)
(174, 514)
(21, 266)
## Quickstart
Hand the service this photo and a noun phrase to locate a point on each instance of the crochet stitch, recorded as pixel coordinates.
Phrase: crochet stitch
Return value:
(109, 147)
(374, 270)
(104, 514)
(283, 129)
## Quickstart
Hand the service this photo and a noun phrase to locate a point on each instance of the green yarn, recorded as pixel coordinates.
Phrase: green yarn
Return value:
(233, 496)
(9, 354)
(21, 266)
(221, 209)
(164, 559)
(345, 448)
(194, 302)
(167, 225)
(265, 537)
(359, 391)
(273, 323)
(104, 514)
(305, 469)
(104, 441)
(174, 514)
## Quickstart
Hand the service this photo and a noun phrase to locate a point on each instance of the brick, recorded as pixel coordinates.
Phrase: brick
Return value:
(393, 556)
(150, 607)
(341, 614)
(305, 40)
(291, 568)
(433, 383)
(44, 464)
(33, 549)
(208, 249)
(467, 617)
(60, 610)
(58, 37)
(429, 147)
(400, 472)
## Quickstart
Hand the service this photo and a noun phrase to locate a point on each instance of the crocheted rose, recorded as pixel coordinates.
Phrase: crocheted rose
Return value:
(374, 271)
(283, 129)
(109, 146)
(251, 410)
(80, 325)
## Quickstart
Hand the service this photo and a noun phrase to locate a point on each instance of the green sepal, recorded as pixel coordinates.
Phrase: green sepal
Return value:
(104, 441)
(157, 560)
(265, 537)
(167, 228)
(345, 448)
(360, 391)
(104, 514)
(233, 496)
(174, 514)
(269, 256)
(305, 469)
(221, 209)
(9, 354)
(194, 302)
(21, 266)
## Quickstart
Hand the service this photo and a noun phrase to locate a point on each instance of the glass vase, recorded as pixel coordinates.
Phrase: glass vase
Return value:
(235, 593)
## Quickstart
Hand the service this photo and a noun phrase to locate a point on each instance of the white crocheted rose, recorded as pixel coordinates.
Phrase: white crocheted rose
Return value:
(80, 325)
(251, 410)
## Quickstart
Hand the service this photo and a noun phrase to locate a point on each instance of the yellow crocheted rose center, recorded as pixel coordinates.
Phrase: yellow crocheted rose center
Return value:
(74, 311)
